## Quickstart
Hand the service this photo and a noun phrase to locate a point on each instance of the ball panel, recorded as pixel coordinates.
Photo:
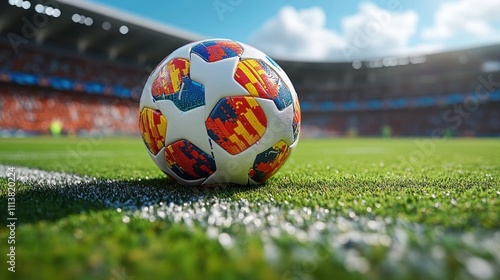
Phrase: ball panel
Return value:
(279, 125)
(169, 77)
(273, 63)
(251, 52)
(236, 123)
(173, 83)
(182, 52)
(188, 161)
(147, 100)
(153, 127)
(217, 77)
(215, 50)
(268, 162)
(296, 119)
(260, 80)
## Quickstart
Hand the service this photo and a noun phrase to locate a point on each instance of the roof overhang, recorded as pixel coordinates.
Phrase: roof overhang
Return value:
(146, 42)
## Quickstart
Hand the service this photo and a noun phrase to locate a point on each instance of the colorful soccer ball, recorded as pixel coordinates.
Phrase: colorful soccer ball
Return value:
(219, 111)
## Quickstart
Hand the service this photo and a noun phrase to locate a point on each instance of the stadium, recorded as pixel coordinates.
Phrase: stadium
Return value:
(396, 175)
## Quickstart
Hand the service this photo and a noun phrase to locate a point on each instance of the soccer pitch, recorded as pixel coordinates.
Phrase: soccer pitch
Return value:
(338, 209)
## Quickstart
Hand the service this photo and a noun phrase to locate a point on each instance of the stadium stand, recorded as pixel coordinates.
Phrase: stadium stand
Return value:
(456, 93)
(32, 110)
(41, 85)
(90, 76)
(44, 62)
(76, 66)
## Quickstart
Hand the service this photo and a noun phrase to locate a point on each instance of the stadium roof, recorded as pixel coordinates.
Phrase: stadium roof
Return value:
(89, 27)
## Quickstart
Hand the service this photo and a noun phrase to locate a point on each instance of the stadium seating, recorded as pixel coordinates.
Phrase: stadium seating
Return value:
(409, 100)
(40, 84)
(50, 62)
(32, 110)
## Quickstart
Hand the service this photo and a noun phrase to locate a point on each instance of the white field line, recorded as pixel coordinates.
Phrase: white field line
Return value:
(231, 221)
(17, 155)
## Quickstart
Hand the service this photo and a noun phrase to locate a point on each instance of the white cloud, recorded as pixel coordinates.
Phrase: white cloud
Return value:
(298, 34)
(303, 35)
(464, 16)
(374, 31)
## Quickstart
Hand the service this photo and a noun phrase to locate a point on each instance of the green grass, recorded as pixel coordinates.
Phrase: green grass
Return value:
(349, 208)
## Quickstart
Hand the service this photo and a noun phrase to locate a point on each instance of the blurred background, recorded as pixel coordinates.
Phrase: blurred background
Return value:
(360, 68)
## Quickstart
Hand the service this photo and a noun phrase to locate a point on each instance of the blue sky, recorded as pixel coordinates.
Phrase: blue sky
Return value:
(331, 30)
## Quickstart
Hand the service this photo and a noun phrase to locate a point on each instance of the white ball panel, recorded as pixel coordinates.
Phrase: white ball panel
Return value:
(217, 77)
(279, 124)
(147, 98)
(188, 125)
(160, 161)
(251, 52)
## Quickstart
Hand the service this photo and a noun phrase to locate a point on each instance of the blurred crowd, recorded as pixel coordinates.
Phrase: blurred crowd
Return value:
(436, 121)
(33, 110)
(49, 62)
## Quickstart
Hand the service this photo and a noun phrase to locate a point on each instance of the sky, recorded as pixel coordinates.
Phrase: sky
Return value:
(329, 30)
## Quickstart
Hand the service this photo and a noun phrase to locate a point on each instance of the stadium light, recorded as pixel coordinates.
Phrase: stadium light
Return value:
(389, 61)
(123, 29)
(76, 18)
(418, 59)
(39, 8)
(374, 63)
(88, 21)
(26, 5)
(56, 13)
(106, 25)
(20, 4)
(47, 10)
(356, 64)
(403, 61)
(395, 61)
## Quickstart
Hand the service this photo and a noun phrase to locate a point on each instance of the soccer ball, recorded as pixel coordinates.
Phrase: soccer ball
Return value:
(219, 111)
